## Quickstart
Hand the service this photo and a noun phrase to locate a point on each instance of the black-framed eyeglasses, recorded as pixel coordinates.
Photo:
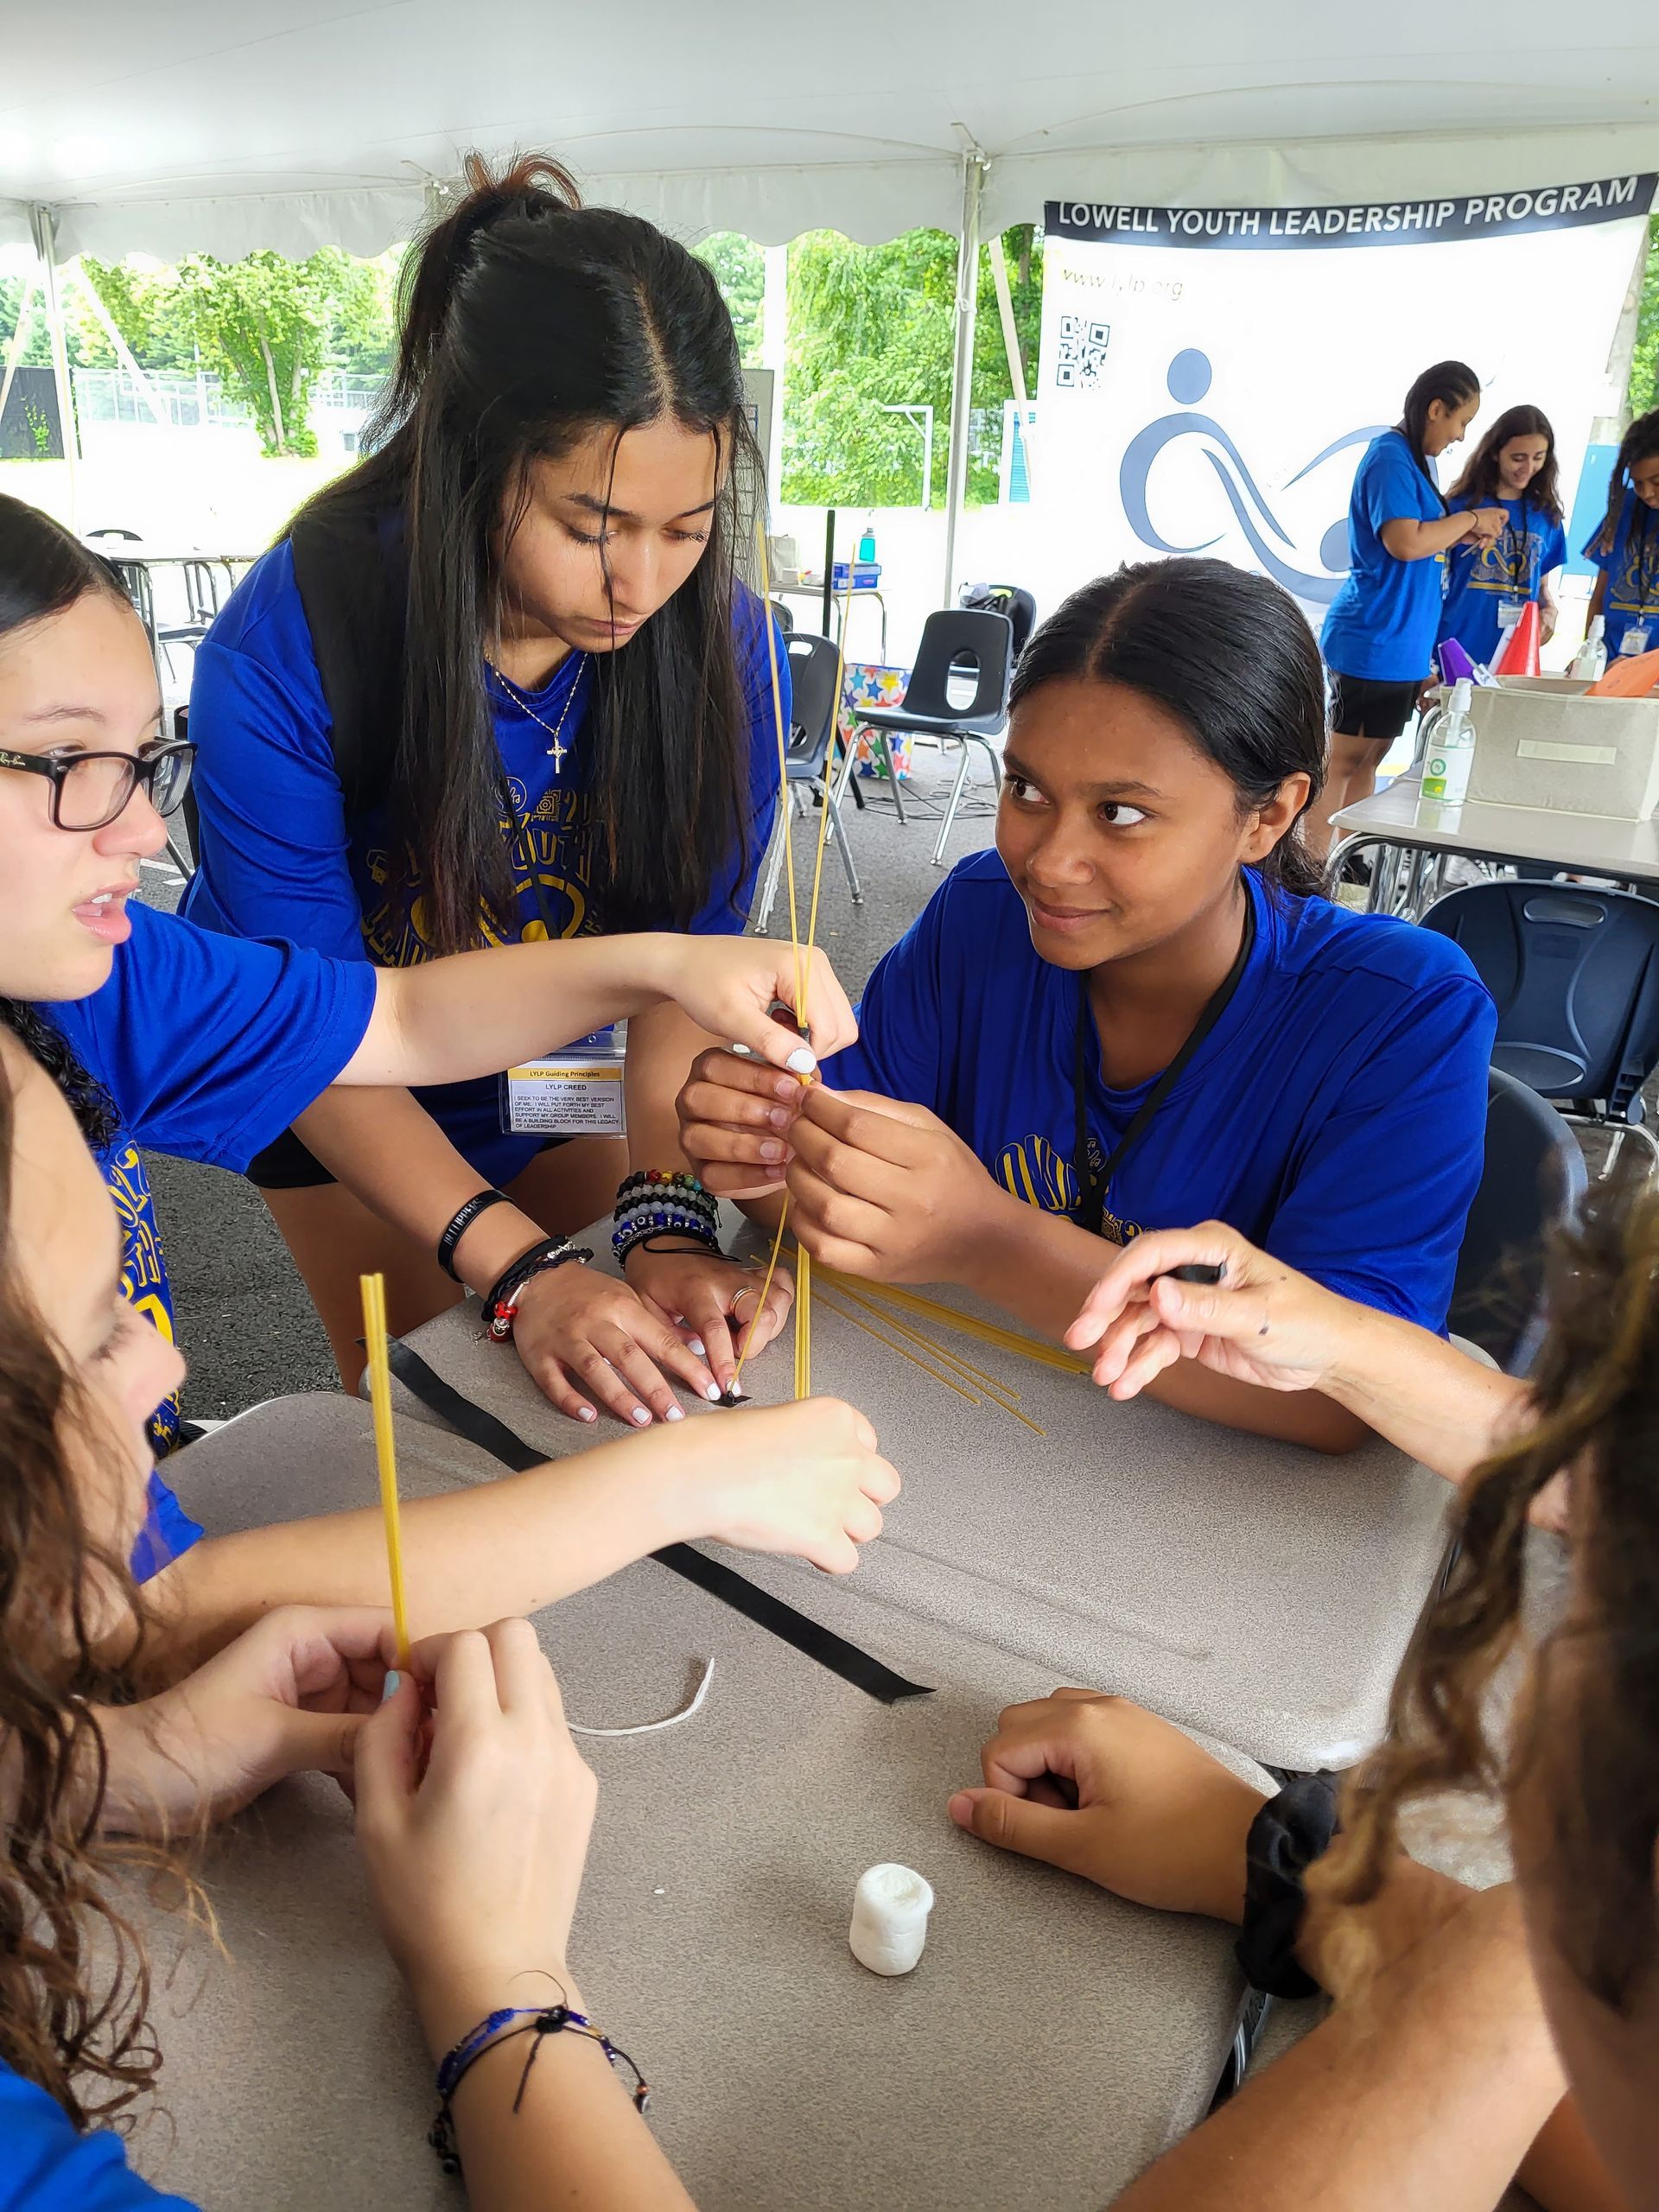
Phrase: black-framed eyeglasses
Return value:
(90, 790)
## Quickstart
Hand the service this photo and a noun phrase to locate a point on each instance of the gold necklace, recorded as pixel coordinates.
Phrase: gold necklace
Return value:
(556, 752)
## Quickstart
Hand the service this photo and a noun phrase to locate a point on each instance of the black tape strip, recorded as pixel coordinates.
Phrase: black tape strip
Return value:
(807, 1637)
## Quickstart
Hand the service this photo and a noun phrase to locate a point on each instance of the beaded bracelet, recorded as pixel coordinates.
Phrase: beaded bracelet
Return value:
(662, 1178)
(540, 2021)
(502, 1302)
(638, 1228)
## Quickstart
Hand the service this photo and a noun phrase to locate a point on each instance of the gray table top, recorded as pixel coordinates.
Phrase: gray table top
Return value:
(1051, 2040)
(1256, 1591)
(1598, 844)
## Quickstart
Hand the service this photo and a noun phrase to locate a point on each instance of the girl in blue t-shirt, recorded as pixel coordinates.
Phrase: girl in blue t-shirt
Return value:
(1138, 1012)
(501, 682)
(1488, 581)
(1625, 548)
(1378, 638)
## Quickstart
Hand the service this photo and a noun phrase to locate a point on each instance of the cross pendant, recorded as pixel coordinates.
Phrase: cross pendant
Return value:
(555, 752)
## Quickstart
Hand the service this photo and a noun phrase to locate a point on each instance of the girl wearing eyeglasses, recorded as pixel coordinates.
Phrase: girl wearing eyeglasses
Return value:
(169, 1038)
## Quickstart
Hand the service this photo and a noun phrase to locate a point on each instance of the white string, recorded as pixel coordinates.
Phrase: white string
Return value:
(694, 1704)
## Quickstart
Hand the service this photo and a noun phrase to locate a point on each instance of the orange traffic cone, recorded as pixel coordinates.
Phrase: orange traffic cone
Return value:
(1520, 656)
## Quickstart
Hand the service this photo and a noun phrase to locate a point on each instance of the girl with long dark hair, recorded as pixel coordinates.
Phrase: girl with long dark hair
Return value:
(1378, 638)
(1138, 1008)
(1488, 583)
(169, 1038)
(1625, 548)
(501, 682)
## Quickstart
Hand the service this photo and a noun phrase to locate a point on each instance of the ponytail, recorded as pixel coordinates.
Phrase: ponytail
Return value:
(1454, 384)
(1639, 443)
(529, 323)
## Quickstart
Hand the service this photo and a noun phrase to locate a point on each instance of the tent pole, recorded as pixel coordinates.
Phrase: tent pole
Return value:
(15, 351)
(122, 351)
(43, 221)
(1011, 345)
(974, 165)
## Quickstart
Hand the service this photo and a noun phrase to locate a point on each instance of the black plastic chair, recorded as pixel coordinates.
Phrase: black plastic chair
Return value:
(813, 665)
(1575, 973)
(973, 646)
(1012, 599)
(1533, 1178)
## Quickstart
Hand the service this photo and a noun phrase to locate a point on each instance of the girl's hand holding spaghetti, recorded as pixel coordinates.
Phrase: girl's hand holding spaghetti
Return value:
(882, 1188)
(729, 986)
(736, 1122)
(712, 1299)
(474, 1859)
(286, 1697)
(579, 1332)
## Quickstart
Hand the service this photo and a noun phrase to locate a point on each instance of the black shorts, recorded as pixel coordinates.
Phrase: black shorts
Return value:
(288, 1166)
(1362, 706)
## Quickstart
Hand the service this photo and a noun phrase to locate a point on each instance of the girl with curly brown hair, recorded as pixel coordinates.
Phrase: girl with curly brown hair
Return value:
(94, 1785)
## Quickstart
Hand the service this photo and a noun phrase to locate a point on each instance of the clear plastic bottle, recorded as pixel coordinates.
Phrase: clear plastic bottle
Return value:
(866, 541)
(1590, 662)
(1450, 753)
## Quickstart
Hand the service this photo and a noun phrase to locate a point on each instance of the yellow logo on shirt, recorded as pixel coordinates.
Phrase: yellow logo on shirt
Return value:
(1034, 1170)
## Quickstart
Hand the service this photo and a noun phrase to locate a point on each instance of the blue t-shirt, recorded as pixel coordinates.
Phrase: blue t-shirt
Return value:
(45, 2165)
(209, 1047)
(280, 858)
(1631, 571)
(1335, 1115)
(1480, 579)
(1382, 622)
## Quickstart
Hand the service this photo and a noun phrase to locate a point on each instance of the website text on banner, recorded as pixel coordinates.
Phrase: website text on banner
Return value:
(1211, 377)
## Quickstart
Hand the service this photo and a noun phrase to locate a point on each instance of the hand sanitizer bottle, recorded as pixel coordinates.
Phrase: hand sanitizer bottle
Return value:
(1450, 753)
(1590, 662)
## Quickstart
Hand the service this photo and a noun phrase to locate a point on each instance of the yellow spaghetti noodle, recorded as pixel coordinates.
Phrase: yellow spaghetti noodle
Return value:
(373, 1290)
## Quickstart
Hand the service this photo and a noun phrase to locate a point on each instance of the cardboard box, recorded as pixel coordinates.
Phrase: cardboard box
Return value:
(1540, 742)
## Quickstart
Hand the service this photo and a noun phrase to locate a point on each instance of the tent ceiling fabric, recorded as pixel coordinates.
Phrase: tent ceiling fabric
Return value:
(179, 125)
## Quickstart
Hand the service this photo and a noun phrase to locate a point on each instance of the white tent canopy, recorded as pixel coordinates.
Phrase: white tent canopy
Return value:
(180, 126)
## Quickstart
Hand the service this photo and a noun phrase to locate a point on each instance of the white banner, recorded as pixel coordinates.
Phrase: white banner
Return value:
(1211, 377)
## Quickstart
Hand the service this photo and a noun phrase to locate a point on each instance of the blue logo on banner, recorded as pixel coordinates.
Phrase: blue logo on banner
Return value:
(1188, 379)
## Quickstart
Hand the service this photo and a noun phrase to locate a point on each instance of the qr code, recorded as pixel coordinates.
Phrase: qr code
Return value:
(1083, 351)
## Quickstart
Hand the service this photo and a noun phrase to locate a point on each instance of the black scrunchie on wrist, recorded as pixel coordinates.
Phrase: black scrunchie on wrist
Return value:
(1289, 1832)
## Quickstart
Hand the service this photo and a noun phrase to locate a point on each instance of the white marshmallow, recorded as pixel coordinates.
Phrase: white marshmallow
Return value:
(890, 1909)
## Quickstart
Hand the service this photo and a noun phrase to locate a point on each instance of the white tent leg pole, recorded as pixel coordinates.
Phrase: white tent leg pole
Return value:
(43, 222)
(14, 352)
(124, 352)
(1011, 344)
(974, 165)
(774, 334)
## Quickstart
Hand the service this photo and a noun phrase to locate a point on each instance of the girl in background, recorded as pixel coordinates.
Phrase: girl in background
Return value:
(1378, 638)
(1626, 548)
(1488, 583)
(501, 683)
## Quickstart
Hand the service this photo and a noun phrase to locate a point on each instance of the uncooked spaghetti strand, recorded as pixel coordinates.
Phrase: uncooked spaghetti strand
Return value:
(1030, 1348)
(783, 806)
(881, 1337)
(936, 1351)
(766, 1287)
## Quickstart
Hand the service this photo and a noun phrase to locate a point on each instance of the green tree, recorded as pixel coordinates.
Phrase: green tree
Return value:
(1644, 389)
(739, 269)
(37, 349)
(874, 327)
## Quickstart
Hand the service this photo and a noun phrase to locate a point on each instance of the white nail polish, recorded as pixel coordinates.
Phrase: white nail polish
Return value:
(802, 1060)
(640, 1417)
(712, 1394)
(674, 1413)
(586, 1412)
(696, 1344)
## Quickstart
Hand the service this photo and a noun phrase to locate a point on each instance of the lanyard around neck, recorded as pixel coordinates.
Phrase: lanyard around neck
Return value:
(1093, 1184)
